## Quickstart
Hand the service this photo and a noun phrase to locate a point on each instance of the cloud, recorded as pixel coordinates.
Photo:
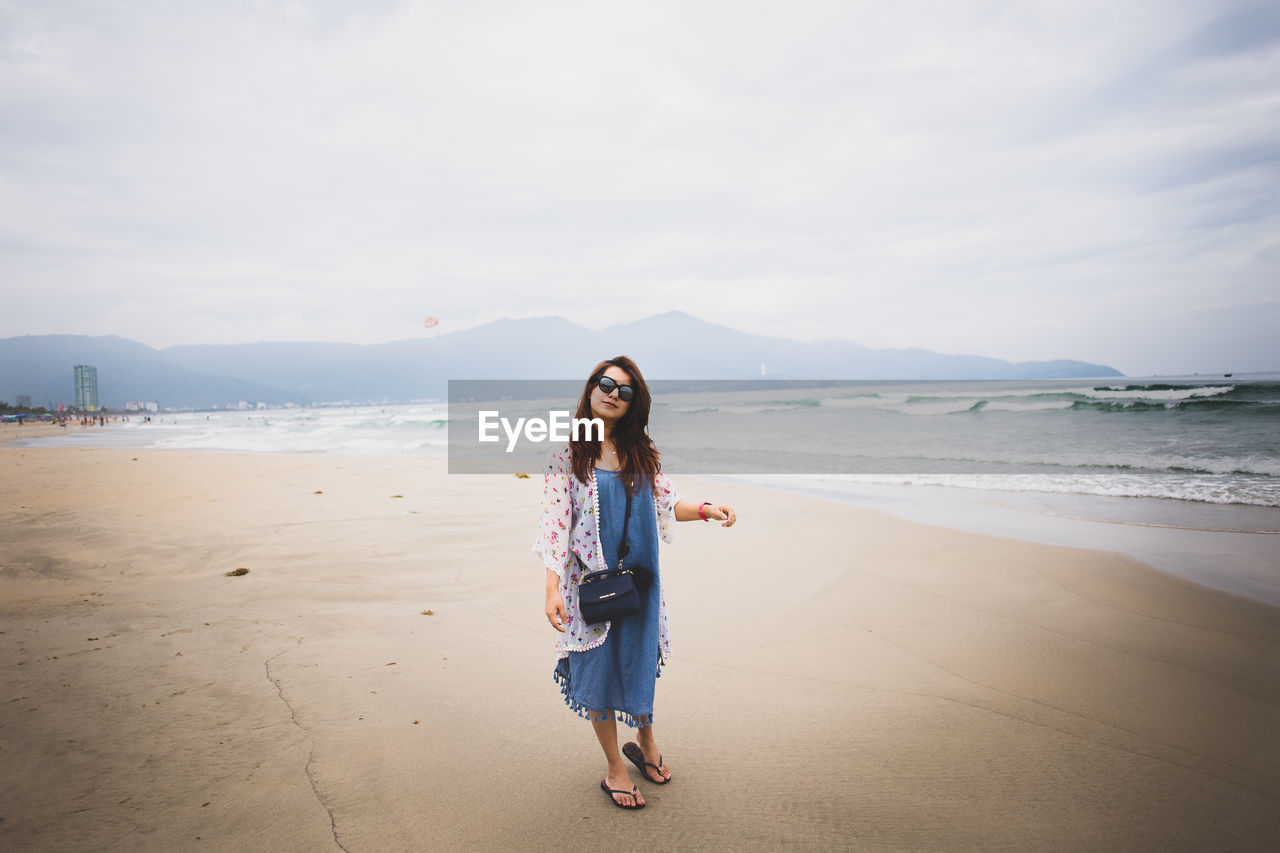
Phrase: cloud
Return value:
(1012, 181)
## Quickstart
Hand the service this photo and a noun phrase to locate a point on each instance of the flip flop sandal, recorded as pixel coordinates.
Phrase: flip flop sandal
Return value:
(633, 751)
(634, 793)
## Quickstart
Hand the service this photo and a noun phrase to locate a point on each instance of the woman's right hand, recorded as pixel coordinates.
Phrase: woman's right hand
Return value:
(556, 614)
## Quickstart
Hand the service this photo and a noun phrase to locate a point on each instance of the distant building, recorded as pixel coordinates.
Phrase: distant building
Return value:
(86, 388)
(136, 406)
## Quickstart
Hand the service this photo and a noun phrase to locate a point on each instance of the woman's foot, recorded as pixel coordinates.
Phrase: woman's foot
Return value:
(623, 791)
(646, 757)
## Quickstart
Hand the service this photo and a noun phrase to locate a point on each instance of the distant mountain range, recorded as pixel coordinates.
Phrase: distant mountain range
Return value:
(674, 345)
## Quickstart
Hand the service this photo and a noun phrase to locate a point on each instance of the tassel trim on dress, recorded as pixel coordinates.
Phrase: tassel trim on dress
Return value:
(560, 675)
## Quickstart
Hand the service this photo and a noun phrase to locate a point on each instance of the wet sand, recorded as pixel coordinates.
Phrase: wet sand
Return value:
(873, 684)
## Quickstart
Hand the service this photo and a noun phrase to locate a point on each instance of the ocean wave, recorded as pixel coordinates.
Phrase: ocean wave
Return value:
(852, 401)
(1158, 392)
(1243, 407)
(1127, 398)
(361, 431)
(1204, 490)
(918, 405)
(999, 459)
(1119, 406)
(1248, 467)
(1039, 404)
(787, 404)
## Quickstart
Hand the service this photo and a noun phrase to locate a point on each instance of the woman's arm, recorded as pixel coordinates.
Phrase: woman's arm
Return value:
(552, 544)
(690, 511)
(556, 614)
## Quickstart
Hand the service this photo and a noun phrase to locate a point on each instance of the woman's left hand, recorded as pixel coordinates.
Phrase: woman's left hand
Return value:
(723, 513)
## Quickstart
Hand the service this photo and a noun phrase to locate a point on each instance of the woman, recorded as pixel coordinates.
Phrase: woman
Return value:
(607, 670)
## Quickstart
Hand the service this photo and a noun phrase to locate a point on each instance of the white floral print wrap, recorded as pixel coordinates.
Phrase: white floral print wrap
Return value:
(570, 525)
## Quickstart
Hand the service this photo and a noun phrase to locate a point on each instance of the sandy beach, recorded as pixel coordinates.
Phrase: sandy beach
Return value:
(380, 680)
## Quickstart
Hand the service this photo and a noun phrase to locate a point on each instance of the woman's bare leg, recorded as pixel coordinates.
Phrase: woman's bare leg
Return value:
(618, 780)
(652, 755)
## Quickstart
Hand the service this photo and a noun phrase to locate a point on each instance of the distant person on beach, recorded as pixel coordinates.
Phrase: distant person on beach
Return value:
(607, 671)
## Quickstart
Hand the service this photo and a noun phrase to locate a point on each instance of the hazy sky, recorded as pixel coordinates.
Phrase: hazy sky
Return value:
(1028, 180)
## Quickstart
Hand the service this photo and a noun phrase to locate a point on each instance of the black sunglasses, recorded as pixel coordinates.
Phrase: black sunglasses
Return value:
(625, 392)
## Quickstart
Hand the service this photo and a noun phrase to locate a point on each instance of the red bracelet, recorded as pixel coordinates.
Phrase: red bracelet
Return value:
(701, 513)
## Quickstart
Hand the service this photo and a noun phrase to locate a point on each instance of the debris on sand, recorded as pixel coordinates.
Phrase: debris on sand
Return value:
(235, 573)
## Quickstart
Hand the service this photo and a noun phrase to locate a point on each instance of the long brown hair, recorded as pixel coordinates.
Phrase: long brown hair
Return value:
(637, 456)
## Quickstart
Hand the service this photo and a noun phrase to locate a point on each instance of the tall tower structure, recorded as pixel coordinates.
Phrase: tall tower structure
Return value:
(86, 388)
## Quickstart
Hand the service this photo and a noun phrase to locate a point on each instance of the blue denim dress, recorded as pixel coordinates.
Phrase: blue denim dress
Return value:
(616, 678)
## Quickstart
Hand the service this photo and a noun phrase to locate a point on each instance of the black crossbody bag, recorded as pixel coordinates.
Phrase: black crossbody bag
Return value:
(611, 593)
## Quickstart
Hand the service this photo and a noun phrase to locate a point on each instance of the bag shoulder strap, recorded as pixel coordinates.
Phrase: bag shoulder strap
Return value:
(623, 548)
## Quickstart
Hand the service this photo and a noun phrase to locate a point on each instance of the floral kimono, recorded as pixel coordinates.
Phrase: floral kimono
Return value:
(569, 526)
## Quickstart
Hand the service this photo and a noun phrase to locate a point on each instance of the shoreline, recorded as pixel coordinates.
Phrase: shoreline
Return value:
(1242, 560)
